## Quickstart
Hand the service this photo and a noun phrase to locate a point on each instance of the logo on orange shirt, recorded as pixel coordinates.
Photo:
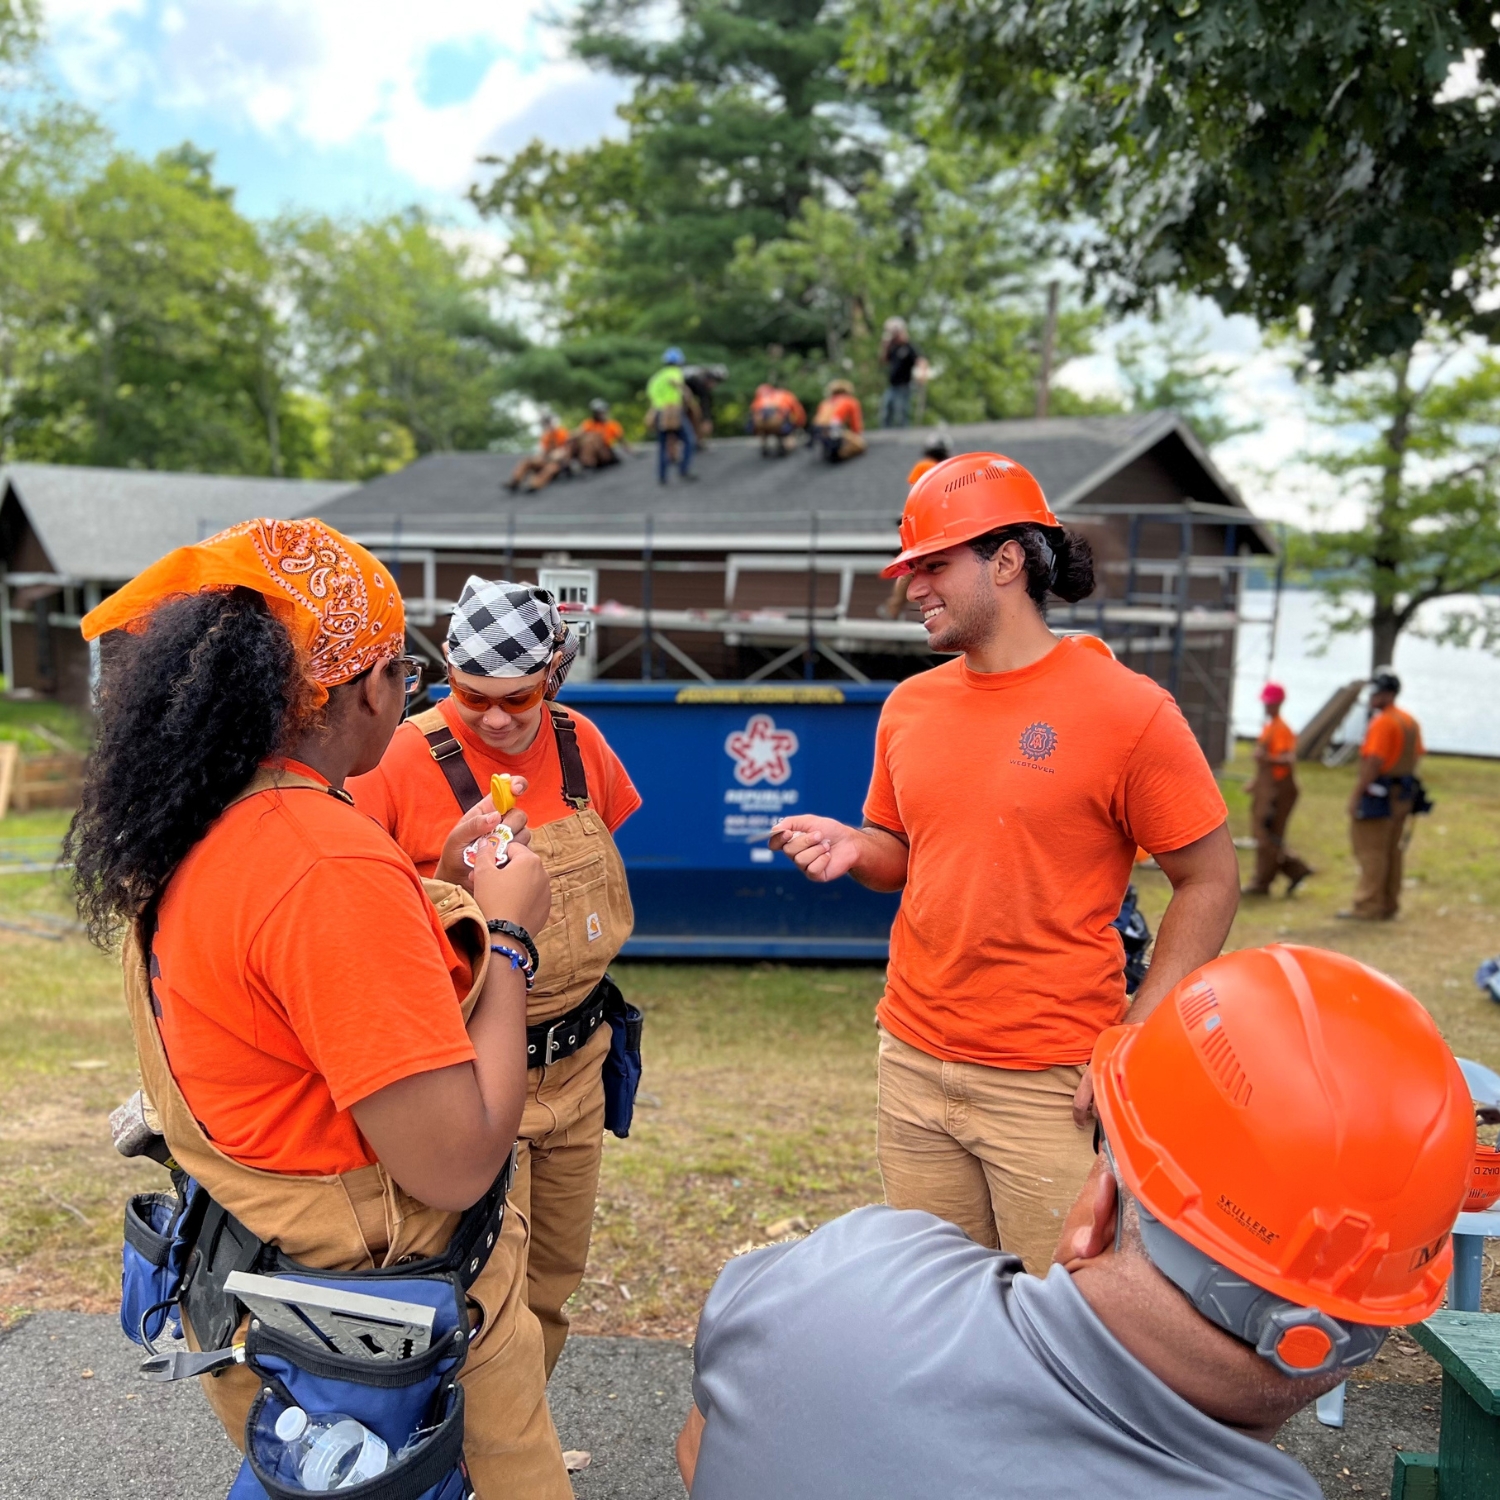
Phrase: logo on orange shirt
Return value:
(1038, 741)
(761, 751)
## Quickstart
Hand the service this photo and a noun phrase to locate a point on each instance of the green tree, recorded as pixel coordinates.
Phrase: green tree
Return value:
(146, 338)
(1314, 165)
(399, 338)
(1169, 367)
(946, 239)
(739, 117)
(1426, 465)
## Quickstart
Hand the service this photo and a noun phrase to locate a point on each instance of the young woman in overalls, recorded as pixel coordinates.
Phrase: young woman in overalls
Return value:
(508, 651)
(332, 1051)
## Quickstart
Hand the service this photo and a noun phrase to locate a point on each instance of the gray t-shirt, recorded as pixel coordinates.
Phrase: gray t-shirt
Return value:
(889, 1357)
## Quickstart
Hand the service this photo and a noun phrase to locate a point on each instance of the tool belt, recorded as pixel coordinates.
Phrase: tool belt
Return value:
(551, 1041)
(180, 1249)
(1378, 796)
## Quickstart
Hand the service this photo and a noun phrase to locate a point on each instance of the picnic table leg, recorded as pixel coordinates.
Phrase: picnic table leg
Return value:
(1468, 1268)
(1330, 1407)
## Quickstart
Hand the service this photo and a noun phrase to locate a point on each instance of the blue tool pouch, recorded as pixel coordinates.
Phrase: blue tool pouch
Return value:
(159, 1231)
(415, 1406)
(622, 1067)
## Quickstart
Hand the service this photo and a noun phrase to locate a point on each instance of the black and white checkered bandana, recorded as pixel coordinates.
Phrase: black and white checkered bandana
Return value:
(508, 630)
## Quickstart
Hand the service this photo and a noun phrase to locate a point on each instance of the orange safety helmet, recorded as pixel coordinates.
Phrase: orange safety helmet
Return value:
(964, 497)
(1296, 1118)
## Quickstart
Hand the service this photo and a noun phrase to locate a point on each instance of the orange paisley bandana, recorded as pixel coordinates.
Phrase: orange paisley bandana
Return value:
(341, 605)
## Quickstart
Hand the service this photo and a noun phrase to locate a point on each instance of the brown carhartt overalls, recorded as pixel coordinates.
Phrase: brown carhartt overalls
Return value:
(1379, 843)
(359, 1220)
(562, 1128)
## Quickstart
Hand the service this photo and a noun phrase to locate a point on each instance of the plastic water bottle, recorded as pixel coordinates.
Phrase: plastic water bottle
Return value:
(327, 1450)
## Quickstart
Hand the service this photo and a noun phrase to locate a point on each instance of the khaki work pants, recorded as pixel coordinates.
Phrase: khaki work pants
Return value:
(1377, 844)
(993, 1150)
(557, 1180)
(1270, 811)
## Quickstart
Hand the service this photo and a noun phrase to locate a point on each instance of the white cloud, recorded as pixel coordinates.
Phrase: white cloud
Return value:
(332, 73)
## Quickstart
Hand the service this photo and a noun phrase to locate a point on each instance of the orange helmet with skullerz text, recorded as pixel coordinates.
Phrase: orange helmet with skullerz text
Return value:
(964, 497)
(1297, 1118)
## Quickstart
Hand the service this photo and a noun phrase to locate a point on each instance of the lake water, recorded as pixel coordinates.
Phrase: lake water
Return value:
(1454, 693)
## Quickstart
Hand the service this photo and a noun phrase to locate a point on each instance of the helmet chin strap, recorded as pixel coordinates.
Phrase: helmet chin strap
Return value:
(1301, 1342)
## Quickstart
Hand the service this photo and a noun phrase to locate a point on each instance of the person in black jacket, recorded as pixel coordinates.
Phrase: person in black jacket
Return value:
(899, 356)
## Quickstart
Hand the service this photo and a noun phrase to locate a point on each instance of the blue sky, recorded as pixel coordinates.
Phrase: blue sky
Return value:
(337, 105)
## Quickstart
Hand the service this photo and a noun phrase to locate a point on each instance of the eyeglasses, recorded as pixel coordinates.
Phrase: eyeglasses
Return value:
(412, 668)
(512, 703)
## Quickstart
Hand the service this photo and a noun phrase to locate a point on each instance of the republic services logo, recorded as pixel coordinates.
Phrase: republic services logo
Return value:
(761, 751)
(1038, 741)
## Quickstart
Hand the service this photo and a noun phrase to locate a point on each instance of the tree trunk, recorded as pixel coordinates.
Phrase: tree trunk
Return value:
(1385, 552)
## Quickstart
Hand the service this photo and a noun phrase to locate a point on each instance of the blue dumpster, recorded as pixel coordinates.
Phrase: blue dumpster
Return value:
(716, 766)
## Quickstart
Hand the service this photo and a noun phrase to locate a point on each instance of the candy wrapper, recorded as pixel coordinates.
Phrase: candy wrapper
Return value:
(500, 838)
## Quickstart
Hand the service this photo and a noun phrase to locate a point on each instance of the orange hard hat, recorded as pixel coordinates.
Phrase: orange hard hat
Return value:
(1093, 643)
(964, 497)
(1296, 1117)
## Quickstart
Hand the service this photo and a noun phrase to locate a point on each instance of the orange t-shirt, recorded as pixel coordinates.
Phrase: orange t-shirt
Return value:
(1023, 796)
(298, 967)
(1278, 738)
(554, 437)
(919, 468)
(610, 431)
(1386, 737)
(410, 798)
(845, 409)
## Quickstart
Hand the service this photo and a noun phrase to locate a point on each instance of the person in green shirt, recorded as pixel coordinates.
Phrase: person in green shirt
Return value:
(667, 394)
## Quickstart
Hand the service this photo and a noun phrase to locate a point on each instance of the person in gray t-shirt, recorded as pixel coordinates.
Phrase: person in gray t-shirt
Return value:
(1247, 1235)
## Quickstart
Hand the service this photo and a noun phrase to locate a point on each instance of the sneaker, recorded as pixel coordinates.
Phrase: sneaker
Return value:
(1297, 880)
(1255, 890)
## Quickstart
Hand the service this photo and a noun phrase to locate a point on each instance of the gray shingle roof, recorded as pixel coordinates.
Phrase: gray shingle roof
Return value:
(106, 525)
(459, 499)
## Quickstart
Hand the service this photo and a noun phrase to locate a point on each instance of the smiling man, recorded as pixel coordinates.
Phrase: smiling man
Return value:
(1010, 790)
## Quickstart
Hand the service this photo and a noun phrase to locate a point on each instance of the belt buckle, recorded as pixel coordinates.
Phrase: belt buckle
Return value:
(550, 1043)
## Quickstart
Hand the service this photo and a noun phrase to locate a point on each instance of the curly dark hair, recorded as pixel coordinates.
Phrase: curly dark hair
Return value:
(188, 709)
(1058, 561)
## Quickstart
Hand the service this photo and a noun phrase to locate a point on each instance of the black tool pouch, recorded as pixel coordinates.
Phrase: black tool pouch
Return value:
(1375, 802)
(622, 1067)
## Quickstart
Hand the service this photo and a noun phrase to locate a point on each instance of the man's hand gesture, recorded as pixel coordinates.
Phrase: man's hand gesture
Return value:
(821, 848)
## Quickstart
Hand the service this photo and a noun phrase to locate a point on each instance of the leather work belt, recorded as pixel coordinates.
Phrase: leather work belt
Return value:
(551, 1041)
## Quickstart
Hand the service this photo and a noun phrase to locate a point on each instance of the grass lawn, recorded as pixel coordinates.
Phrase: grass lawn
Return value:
(757, 1106)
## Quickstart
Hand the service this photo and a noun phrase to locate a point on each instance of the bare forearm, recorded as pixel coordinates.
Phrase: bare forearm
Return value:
(497, 1028)
(882, 859)
(1205, 895)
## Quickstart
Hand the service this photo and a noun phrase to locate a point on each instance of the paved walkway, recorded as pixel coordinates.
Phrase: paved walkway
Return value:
(111, 1435)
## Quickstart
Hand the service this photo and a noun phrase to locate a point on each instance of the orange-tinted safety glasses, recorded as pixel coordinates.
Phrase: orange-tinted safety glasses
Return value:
(512, 703)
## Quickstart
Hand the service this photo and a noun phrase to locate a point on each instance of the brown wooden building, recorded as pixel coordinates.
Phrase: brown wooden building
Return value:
(769, 568)
(762, 569)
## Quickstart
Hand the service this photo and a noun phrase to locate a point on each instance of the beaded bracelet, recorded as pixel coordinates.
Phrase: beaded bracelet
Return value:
(518, 960)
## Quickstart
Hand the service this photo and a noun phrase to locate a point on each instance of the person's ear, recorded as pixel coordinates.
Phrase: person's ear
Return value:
(1089, 1230)
(1010, 562)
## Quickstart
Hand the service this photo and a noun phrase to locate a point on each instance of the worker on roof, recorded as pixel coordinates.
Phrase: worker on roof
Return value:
(671, 415)
(551, 457)
(1283, 1147)
(600, 440)
(334, 1052)
(838, 425)
(1386, 794)
(775, 415)
(899, 356)
(1273, 795)
(703, 381)
(1010, 790)
(508, 651)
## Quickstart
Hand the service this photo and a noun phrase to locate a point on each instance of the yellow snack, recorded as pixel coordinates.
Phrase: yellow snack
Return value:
(500, 792)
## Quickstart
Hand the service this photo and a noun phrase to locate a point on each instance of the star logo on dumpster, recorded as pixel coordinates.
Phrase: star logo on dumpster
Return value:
(761, 751)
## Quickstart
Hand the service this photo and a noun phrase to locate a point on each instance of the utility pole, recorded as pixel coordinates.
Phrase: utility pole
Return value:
(1049, 341)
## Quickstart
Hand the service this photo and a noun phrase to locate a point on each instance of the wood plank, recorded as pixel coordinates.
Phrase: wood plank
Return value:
(1467, 1346)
